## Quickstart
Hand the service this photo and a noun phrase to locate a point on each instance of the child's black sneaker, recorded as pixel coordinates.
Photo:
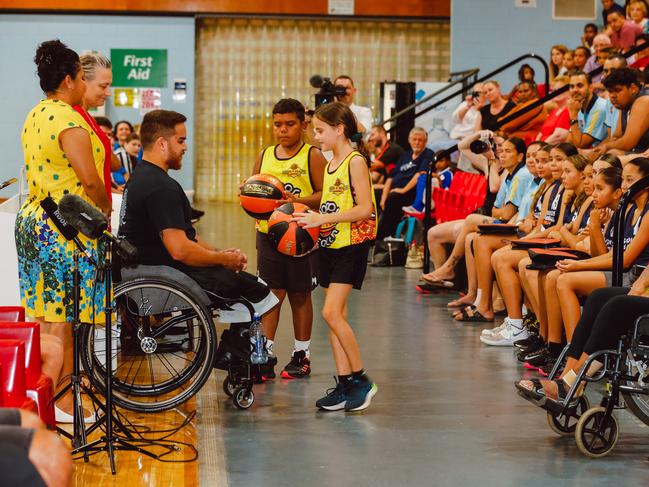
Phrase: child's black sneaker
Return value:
(360, 393)
(335, 399)
(298, 367)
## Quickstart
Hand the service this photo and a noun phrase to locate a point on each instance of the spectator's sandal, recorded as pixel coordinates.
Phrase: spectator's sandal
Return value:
(471, 314)
(436, 282)
(537, 395)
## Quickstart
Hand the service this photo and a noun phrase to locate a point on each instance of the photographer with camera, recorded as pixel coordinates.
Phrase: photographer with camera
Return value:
(363, 114)
(465, 118)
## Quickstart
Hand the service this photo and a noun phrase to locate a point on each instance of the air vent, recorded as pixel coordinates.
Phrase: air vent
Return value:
(574, 9)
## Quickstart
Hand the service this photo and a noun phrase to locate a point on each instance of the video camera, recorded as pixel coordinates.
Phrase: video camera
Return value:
(328, 91)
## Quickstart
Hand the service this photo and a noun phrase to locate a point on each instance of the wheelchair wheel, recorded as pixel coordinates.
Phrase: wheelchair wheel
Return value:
(566, 424)
(243, 397)
(162, 348)
(637, 403)
(596, 433)
(228, 387)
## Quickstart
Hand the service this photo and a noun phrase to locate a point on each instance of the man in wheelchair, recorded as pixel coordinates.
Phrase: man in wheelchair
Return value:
(156, 217)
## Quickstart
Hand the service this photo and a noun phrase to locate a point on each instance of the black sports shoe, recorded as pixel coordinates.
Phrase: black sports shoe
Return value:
(531, 322)
(335, 399)
(298, 367)
(360, 393)
(267, 370)
(531, 342)
(532, 354)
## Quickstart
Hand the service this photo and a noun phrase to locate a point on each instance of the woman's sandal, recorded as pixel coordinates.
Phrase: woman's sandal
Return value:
(471, 314)
(436, 282)
(537, 393)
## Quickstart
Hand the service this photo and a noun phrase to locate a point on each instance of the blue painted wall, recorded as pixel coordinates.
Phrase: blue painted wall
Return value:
(488, 33)
(19, 89)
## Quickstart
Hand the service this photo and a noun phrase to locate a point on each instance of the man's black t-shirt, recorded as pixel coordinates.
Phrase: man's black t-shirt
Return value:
(390, 156)
(153, 201)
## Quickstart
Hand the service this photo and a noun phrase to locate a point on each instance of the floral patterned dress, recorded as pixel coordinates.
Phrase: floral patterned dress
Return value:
(45, 258)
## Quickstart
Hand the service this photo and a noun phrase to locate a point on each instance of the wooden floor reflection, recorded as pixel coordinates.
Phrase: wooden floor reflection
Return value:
(178, 469)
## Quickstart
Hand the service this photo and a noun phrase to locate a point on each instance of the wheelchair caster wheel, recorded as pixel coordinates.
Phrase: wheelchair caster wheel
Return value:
(243, 397)
(228, 387)
(596, 433)
(566, 424)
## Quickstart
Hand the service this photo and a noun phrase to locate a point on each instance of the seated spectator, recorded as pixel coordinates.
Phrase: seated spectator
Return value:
(29, 454)
(568, 62)
(640, 60)
(526, 73)
(527, 125)
(498, 107)
(122, 130)
(581, 57)
(465, 118)
(601, 41)
(612, 114)
(622, 32)
(603, 56)
(628, 95)
(587, 113)
(442, 178)
(609, 6)
(386, 154)
(512, 159)
(556, 61)
(401, 185)
(590, 31)
(556, 127)
(636, 11)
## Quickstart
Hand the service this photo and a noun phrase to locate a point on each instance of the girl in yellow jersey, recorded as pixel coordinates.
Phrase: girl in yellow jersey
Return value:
(347, 222)
(300, 167)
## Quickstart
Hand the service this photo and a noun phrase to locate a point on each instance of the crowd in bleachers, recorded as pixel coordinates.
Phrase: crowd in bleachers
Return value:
(541, 242)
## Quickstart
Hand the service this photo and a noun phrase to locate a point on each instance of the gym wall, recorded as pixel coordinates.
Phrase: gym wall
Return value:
(244, 65)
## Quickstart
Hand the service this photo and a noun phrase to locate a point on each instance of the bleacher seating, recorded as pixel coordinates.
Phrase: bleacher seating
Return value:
(14, 376)
(39, 386)
(465, 195)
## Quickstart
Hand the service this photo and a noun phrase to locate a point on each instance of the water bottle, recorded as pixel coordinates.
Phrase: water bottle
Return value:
(258, 340)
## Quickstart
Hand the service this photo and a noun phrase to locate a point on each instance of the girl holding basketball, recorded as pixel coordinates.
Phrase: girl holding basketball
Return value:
(347, 222)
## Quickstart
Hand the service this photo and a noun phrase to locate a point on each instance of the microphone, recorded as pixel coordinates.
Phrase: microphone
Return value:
(54, 213)
(93, 224)
(316, 81)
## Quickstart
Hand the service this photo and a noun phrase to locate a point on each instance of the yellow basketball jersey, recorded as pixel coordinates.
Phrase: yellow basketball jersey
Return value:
(293, 172)
(338, 195)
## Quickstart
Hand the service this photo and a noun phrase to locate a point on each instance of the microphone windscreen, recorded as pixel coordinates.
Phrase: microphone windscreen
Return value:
(316, 81)
(52, 210)
(83, 216)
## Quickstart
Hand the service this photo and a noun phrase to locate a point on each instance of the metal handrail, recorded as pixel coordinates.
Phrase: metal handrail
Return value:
(618, 228)
(500, 123)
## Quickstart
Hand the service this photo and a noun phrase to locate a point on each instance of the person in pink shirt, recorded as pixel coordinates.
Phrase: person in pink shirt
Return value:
(623, 32)
(556, 127)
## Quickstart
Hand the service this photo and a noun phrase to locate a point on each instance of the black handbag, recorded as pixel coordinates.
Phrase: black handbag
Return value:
(390, 252)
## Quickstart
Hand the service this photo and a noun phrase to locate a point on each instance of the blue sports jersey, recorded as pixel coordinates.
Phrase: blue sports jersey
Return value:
(591, 121)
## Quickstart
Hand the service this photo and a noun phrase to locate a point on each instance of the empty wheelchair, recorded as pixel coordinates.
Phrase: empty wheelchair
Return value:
(164, 341)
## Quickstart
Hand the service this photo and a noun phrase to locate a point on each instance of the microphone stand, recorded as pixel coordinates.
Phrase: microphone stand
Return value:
(110, 442)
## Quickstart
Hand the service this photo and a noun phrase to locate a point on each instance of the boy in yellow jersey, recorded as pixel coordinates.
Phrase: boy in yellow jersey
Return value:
(301, 168)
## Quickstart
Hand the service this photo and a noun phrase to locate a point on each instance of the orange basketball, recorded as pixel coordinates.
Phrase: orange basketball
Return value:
(260, 195)
(288, 237)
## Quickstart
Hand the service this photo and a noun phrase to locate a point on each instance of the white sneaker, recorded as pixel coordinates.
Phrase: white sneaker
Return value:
(506, 337)
(493, 331)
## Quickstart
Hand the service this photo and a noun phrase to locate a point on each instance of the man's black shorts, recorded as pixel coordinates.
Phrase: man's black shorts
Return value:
(343, 266)
(279, 271)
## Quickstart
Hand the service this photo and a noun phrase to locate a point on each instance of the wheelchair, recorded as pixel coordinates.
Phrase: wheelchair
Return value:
(626, 371)
(165, 342)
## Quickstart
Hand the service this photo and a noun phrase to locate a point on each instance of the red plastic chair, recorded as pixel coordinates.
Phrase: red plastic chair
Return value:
(39, 386)
(14, 379)
(12, 313)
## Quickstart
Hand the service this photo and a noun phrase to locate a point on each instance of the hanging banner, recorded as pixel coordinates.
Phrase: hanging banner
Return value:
(139, 67)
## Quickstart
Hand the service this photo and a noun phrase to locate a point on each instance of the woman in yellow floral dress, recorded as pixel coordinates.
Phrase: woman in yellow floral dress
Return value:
(62, 156)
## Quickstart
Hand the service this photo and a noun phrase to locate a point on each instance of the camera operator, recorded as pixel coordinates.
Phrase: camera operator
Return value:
(465, 117)
(363, 114)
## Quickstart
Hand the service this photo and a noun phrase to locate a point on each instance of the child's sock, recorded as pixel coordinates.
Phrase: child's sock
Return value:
(302, 346)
